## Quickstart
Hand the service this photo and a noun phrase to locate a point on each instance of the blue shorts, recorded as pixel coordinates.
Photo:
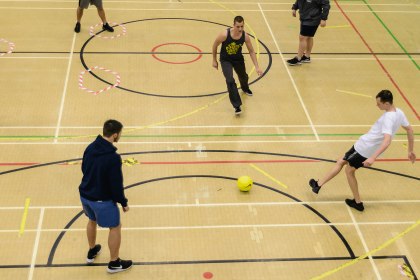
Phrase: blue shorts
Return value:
(105, 213)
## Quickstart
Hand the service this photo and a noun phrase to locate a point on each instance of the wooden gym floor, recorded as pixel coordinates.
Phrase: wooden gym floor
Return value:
(188, 220)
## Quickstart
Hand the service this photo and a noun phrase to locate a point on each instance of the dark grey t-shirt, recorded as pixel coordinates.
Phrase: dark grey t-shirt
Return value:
(311, 12)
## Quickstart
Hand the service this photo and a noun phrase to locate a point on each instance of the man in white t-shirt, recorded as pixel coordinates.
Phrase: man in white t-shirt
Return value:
(370, 147)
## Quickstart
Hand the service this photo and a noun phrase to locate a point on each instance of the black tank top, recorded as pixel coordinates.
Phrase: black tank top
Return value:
(232, 49)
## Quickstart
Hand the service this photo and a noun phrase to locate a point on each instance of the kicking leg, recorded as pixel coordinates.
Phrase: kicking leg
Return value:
(333, 172)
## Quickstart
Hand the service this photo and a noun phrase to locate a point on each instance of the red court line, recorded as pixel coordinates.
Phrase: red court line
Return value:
(377, 59)
(212, 162)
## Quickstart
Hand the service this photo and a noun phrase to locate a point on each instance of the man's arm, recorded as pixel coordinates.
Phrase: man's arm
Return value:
(116, 181)
(410, 136)
(220, 39)
(252, 54)
(385, 144)
(325, 11)
(295, 7)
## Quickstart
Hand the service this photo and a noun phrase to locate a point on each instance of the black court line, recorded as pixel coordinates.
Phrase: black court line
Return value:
(219, 53)
(193, 151)
(173, 96)
(216, 261)
(350, 251)
(209, 151)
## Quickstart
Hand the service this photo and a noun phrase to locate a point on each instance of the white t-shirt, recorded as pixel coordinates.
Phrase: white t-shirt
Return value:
(388, 123)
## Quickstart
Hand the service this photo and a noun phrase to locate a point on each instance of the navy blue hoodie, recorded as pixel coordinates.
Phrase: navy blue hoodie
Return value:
(102, 173)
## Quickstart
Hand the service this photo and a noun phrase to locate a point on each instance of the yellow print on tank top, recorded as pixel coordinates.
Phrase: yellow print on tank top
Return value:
(233, 48)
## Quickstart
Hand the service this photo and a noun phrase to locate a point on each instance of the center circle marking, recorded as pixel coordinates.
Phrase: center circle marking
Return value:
(200, 56)
(270, 60)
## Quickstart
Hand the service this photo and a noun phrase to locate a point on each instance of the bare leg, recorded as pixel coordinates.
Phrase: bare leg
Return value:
(91, 233)
(302, 46)
(351, 178)
(79, 14)
(309, 45)
(333, 172)
(114, 242)
(101, 13)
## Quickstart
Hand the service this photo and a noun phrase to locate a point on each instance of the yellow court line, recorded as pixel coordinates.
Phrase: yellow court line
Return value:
(413, 4)
(171, 120)
(22, 225)
(354, 93)
(336, 26)
(367, 254)
(134, 129)
(253, 33)
(283, 185)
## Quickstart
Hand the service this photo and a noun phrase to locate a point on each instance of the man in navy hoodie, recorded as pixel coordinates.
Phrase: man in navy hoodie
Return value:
(100, 191)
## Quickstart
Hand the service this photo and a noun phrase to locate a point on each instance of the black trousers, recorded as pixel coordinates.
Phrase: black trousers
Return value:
(227, 69)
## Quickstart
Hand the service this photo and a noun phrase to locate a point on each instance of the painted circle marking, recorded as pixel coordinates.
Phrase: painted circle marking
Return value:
(176, 96)
(93, 34)
(154, 56)
(11, 47)
(102, 90)
(208, 275)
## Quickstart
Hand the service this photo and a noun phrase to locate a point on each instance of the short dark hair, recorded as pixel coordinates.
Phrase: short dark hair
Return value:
(238, 19)
(385, 96)
(111, 127)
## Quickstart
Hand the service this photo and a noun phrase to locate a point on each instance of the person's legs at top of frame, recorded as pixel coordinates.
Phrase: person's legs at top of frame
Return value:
(84, 4)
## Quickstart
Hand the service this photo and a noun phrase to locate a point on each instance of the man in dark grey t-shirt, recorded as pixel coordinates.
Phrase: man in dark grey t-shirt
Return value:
(312, 13)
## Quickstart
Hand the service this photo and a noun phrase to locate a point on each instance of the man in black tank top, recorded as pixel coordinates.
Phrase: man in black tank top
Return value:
(231, 58)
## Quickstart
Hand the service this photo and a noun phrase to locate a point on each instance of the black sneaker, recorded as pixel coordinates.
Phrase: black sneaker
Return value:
(77, 28)
(314, 186)
(305, 59)
(248, 92)
(294, 61)
(93, 253)
(238, 111)
(107, 27)
(119, 265)
(357, 206)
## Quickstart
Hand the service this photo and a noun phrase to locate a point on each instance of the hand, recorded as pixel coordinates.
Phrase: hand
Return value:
(412, 157)
(323, 23)
(126, 209)
(215, 64)
(368, 162)
(294, 13)
(259, 72)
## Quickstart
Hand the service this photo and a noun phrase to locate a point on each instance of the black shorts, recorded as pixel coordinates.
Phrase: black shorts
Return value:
(308, 31)
(354, 158)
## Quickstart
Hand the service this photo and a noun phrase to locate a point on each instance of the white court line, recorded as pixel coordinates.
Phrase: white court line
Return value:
(184, 2)
(206, 127)
(318, 58)
(65, 89)
(364, 243)
(217, 204)
(290, 75)
(211, 227)
(14, 57)
(195, 10)
(196, 142)
(38, 234)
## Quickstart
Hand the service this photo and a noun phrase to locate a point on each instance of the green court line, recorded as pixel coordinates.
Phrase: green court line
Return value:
(391, 34)
(207, 135)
